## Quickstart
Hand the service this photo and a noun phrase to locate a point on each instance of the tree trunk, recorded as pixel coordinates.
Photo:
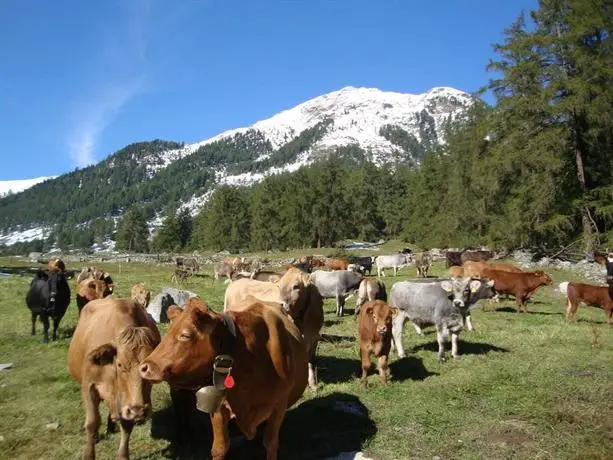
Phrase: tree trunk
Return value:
(588, 239)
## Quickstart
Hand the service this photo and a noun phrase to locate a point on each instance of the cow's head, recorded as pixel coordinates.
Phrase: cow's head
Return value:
(91, 289)
(543, 277)
(381, 314)
(185, 356)
(460, 290)
(140, 295)
(291, 287)
(130, 395)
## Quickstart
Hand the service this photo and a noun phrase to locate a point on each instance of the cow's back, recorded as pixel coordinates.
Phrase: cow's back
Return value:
(100, 322)
(238, 290)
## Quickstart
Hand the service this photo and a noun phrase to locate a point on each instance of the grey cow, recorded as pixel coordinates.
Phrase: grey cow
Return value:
(169, 296)
(337, 284)
(394, 261)
(443, 304)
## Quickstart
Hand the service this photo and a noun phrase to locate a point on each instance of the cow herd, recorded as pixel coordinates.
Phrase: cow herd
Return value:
(253, 360)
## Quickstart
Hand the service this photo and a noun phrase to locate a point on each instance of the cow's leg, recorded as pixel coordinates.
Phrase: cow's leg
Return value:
(340, 300)
(382, 368)
(56, 324)
(469, 323)
(34, 315)
(418, 329)
(395, 271)
(365, 360)
(221, 434)
(123, 453)
(454, 344)
(571, 310)
(312, 376)
(441, 337)
(397, 326)
(91, 402)
(45, 319)
(111, 426)
(271, 435)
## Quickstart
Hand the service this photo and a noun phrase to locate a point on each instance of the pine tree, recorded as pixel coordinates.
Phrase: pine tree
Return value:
(133, 233)
(168, 237)
(186, 226)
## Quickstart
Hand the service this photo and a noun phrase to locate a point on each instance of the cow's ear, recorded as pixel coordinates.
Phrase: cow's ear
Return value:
(447, 286)
(475, 285)
(491, 283)
(103, 355)
(395, 311)
(173, 311)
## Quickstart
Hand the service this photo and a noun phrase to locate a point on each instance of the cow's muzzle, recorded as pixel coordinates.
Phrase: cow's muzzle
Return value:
(135, 412)
(151, 372)
(458, 303)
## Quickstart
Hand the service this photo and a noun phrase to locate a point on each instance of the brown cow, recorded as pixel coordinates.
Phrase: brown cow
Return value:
(295, 293)
(140, 295)
(336, 264)
(269, 366)
(472, 268)
(92, 273)
(521, 285)
(91, 289)
(594, 296)
(422, 261)
(456, 271)
(375, 328)
(112, 337)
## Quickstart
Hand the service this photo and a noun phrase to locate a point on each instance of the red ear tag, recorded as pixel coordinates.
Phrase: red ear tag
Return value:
(229, 381)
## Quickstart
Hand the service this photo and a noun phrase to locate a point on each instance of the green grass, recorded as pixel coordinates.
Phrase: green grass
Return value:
(526, 386)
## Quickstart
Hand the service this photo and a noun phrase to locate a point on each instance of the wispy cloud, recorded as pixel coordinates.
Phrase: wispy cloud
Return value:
(123, 76)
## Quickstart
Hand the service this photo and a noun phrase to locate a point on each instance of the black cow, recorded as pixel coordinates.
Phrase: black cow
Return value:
(476, 256)
(453, 258)
(49, 296)
(365, 262)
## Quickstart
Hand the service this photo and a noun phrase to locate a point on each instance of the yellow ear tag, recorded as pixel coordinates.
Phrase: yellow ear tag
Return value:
(473, 290)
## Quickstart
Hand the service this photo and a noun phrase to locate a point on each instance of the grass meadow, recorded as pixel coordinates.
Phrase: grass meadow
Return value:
(527, 386)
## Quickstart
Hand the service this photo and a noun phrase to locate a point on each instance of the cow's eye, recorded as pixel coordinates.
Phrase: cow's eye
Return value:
(185, 336)
(296, 286)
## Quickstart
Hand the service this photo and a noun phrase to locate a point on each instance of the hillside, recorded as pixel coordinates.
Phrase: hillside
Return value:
(383, 127)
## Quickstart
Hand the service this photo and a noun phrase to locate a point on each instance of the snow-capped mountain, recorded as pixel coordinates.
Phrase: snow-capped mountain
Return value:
(16, 186)
(388, 127)
(358, 114)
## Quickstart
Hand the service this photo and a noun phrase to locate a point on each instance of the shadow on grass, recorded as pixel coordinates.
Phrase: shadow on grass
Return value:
(317, 428)
(333, 338)
(409, 368)
(465, 348)
(331, 322)
(331, 369)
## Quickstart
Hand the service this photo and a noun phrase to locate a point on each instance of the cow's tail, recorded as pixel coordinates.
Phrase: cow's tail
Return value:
(563, 287)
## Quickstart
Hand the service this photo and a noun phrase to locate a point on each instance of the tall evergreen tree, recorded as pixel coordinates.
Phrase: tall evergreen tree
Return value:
(133, 233)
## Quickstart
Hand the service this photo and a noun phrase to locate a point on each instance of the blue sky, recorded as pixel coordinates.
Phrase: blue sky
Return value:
(82, 79)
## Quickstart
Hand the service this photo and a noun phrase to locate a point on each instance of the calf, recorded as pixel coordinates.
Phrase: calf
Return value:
(375, 329)
(179, 275)
(520, 285)
(594, 296)
(440, 303)
(422, 263)
(91, 289)
(370, 289)
(111, 339)
(48, 297)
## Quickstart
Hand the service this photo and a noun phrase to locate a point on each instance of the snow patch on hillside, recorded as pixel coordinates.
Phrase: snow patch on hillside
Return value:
(16, 186)
(24, 236)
